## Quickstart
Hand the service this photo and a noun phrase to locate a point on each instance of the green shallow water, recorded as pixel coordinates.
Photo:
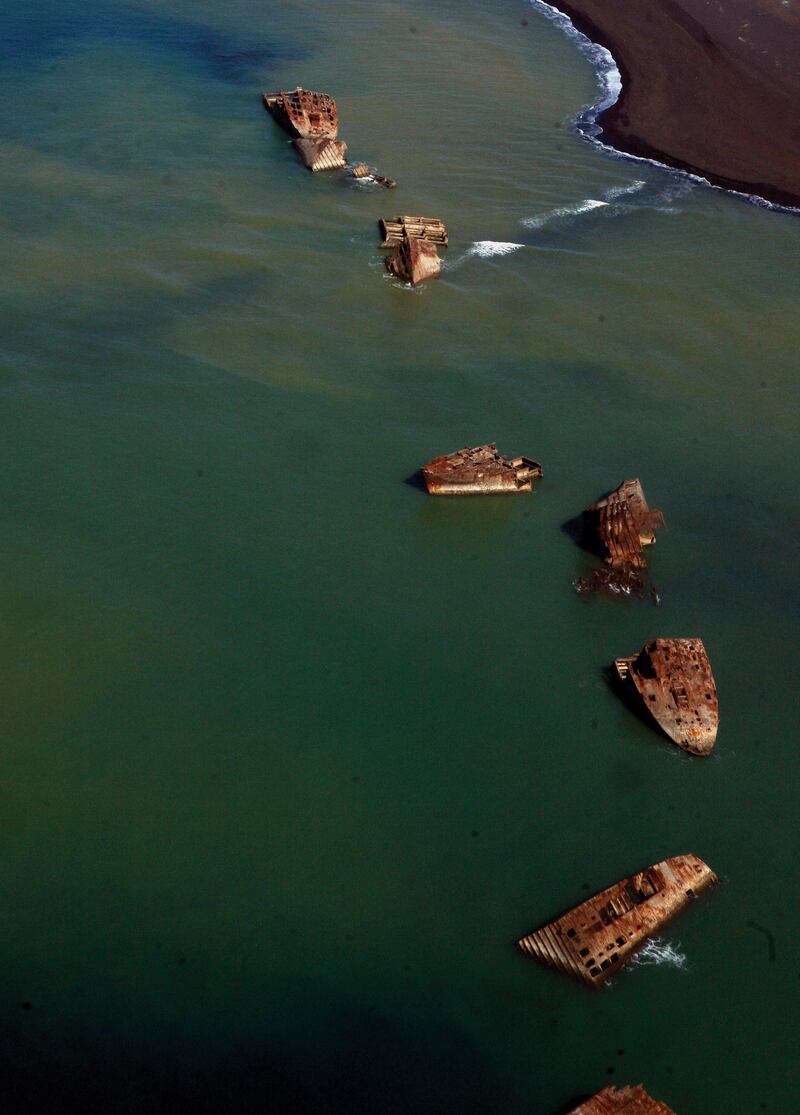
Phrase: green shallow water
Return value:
(292, 754)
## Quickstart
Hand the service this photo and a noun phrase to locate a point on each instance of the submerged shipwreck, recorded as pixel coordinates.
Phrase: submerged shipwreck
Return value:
(674, 681)
(479, 471)
(313, 122)
(621, 524)
(413, 240)
(622, 1101)
(595, 939)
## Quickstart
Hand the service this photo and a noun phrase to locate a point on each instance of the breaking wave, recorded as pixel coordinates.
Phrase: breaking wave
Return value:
(618, 200)
(660, 952)
(563, 211)
(482, 249)
(610, 81)
(488, 248)
(622, 191)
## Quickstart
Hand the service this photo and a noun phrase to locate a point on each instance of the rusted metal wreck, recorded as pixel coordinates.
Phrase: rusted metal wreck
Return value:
(414, 261)
(595, 939)
(414, 241)
(479, 471)
(313, 122)
(395, 229)
(622, 1101)
(674, 681)
(621, 524)
(361, 170)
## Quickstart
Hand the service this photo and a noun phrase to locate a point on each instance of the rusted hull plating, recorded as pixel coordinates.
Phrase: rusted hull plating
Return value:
(622, 1101)
(303, 114)
(595, 939)
(622, 524)
(321, 154)
(674, 680)
(394, 231)
(414, 261)
(480, 470)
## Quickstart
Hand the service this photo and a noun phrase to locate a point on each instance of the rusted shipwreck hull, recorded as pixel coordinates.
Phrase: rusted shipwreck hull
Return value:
(622, 1101)
(394, 230)
(621, 524)
(674, 680)
(303, 114)
(313, 121)
(414, 240)
(414, 261)
(595, 939)
(479, 471)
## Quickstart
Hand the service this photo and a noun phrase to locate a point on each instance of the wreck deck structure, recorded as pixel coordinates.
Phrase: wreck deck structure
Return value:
(621, 524)
(595, 939)
(395, 230)
(622, 1101)
(313, 121)
(480, 470)
(674, 681)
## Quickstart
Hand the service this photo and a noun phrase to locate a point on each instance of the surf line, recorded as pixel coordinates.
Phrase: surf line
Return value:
(611, 85)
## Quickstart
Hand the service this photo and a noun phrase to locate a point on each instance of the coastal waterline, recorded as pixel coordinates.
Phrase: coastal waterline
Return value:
(293, 754)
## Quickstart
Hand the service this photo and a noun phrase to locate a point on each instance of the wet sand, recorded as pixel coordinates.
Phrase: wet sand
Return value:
(711, 86)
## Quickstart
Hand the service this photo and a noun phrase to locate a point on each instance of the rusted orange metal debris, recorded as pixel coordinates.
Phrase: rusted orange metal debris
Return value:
(313, 121)
(304, 114)
(414, 261)
(622, 1101)
(595, 939)
(622, 524)
(395, 230)
(478, 471)
(674, 680)
(361, 170)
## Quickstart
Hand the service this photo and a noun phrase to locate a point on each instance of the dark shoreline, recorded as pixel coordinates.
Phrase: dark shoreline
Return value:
(699, 97)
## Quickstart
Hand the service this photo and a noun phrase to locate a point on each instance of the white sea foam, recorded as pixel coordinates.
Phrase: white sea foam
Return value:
(610, 81)
(563, 211)
(488, 248)
(660, 952)
(614, 192)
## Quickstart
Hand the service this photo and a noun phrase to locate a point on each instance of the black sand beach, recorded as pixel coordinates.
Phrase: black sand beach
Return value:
(710, 87)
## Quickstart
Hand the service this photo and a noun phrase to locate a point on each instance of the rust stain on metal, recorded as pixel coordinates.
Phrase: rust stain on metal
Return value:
(595, 939)
(414, 261)
(622, 1101)
(479, 470)
(623, 524)
(361, 170)
(395, 230)
(313, 122)
(303, 114)
(674, 680)
(321, 154)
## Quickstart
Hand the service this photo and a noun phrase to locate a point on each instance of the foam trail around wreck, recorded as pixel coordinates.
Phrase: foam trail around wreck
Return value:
(488, 248)
(660, 953)
(482, 249)
(610, 80)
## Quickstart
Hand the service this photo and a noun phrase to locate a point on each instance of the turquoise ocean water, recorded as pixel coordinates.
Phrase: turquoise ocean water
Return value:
(292, 754)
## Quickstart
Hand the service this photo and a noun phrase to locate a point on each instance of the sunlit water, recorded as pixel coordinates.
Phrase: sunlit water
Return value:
(291, 753)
